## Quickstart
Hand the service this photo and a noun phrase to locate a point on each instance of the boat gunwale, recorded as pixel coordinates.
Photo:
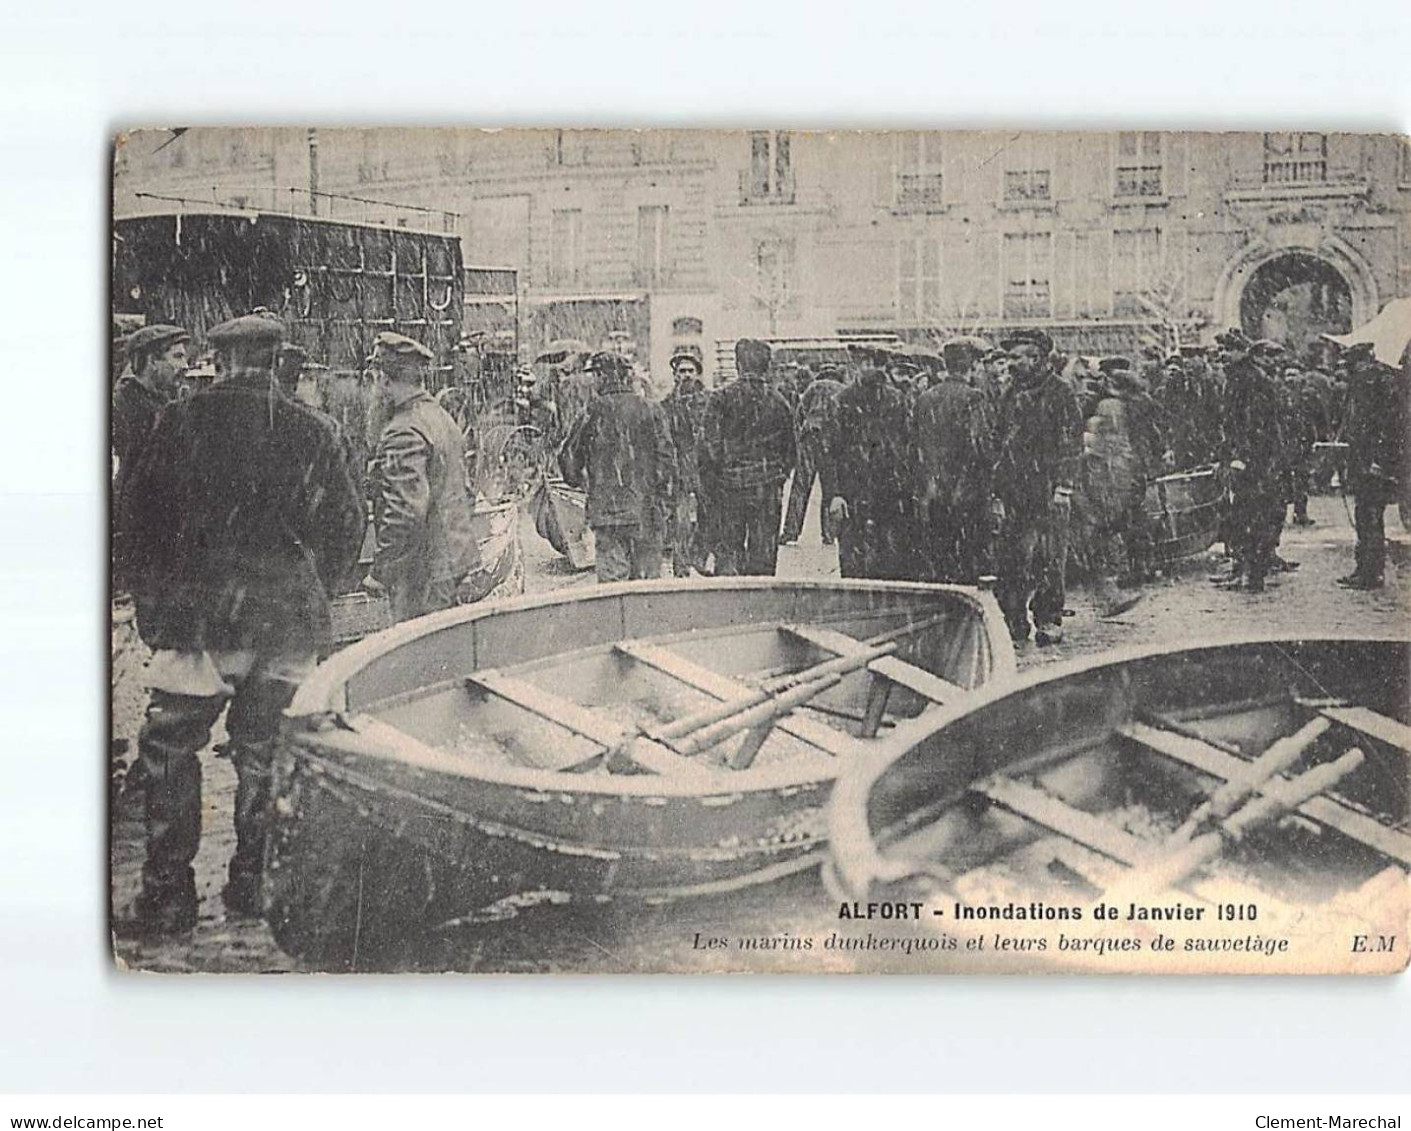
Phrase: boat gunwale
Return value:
(323, 690)
(865, 863)
(321, 695)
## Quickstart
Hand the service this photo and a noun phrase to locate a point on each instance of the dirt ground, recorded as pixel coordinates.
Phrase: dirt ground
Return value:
(614, 939)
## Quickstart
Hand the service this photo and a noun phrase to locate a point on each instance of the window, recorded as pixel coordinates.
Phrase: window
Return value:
(651, 244)
(771, 176)
(1029, 170)
(1136, 268)
(1295, 158)
(1138, 164)
(918, 183)
(774, 276)
(918, 281)
(1028, 269)
(565, 246)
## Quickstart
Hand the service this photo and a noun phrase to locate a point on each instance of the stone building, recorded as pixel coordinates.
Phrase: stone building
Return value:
(648, 240)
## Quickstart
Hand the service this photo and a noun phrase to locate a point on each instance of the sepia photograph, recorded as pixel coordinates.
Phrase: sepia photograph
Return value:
(769, 551)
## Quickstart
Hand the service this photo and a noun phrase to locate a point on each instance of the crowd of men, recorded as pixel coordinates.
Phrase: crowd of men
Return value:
(1006, 460)
(240, 509)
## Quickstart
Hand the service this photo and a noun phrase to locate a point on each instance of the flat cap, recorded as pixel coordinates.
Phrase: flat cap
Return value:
(248, 330)
(965, 344)
(1028, 338)
(401, 346)
(752, 357)
(150, 339)
(606, 364)
(687, 355)
(1116, 364)
(1268, 346)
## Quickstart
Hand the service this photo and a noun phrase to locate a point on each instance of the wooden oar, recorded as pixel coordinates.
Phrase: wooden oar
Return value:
(1279, 797)
(772, 708)
(841, 665)
(1275, 760)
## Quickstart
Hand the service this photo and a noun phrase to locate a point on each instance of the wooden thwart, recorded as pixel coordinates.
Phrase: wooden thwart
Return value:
(907, 675)
(1372, 723)
(1328, 811)
(588, 724)
(1052, 813)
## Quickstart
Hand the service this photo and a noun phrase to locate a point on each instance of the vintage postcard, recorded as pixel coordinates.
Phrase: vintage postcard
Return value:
(760, 551)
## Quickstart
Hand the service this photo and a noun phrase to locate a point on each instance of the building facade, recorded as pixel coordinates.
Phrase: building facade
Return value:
(652, 240)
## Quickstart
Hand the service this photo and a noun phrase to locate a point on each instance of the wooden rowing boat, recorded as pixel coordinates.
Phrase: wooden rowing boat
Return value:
(652, 740)
(1249, 792)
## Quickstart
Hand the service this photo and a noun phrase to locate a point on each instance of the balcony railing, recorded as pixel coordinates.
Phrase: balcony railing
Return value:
(918, 192)
(1297, 177)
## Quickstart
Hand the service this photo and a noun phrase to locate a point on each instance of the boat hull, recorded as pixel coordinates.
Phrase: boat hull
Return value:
(373, 846)
(944, 823)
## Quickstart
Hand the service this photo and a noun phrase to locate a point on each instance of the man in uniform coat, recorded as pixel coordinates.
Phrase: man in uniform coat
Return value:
(875, 479)
(748, 453)
(1038, 446)
(955, 460)
(620, 452)
(421, 507)
(1255, 459)
(1375, 433)
(243, 518)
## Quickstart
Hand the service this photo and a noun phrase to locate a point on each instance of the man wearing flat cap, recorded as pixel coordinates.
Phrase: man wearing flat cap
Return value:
(685, 412)
(243, 518)
(748, 453)
(875, 480)
(1038, 445)
(421, 506)
(156, 359)
(620, 452)
(1375, 430)
(1254, 456)
(955, 450)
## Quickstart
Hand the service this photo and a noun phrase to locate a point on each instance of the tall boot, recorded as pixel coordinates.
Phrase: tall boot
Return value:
(242, 894)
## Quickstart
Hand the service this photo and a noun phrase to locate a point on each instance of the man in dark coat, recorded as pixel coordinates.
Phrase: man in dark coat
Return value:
(749, 451)
(875, 479)
(813, 423)
(955, 460)
(1375, 434)
(156, 359)
(243, 519)
(620, 452)
(421, 507)
(1038, 445)
(685, 411)
(1254, 456)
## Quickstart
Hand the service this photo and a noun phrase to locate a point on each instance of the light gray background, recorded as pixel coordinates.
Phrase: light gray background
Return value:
(73, 72)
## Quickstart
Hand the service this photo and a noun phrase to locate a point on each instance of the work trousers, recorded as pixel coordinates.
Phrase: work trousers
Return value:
(627, 553)
(1256, 521)
(957, 540)
(1032, 563)
(189, 691)
(748, 530)
(1369, 515)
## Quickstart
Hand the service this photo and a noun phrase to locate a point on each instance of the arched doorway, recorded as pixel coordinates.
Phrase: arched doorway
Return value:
(1294, 298)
